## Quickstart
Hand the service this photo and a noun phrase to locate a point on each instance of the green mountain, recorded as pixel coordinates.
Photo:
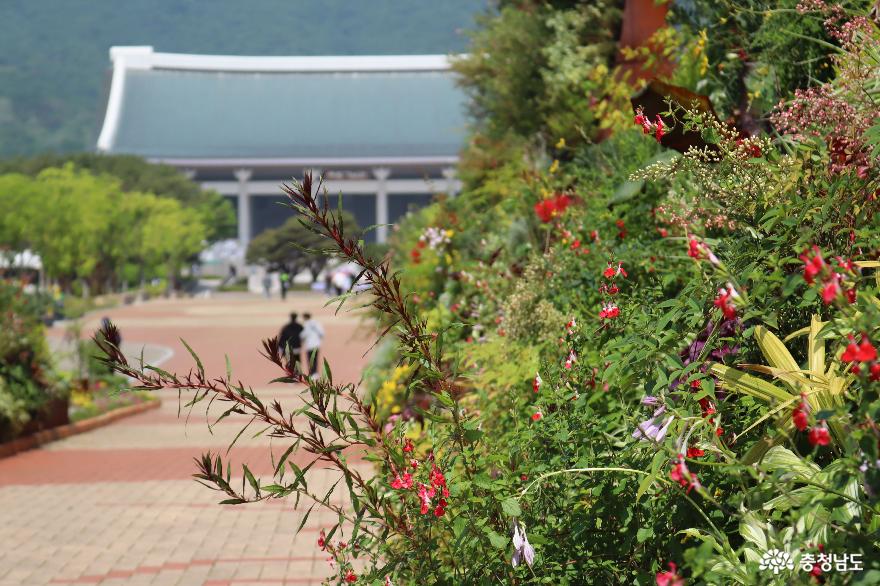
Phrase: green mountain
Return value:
(54, 62)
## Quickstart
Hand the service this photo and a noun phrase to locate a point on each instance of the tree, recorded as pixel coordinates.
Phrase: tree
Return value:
(86, 229)
(17, 194)
(138, 175)
(294, 247)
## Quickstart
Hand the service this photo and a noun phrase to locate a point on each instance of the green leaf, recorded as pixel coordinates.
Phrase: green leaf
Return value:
(195, 357)
(498, 541)
(510, 507)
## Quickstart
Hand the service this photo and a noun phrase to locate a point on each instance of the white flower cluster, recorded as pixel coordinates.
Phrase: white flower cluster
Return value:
(435, 237)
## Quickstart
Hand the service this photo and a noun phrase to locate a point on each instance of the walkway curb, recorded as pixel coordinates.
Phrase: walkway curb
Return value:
(56, 433)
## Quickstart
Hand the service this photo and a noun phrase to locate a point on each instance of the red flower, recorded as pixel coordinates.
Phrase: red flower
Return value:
(545, 210)
(610, 271)
(536, 384)
(609, 311)
(537, 415)
(799, 416)
(724, 303)
(670, 577)
(322, 540)
(415, 255)
(642, 121)
(408, 445)
(862, 352)
(695, 453)
(867, 352)
(819, 436)
(351, 577)
(659, 128)
(813, 265)
(561, 202)
(707, 407)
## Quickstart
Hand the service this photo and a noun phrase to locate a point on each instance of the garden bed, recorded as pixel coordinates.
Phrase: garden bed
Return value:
(82, 420)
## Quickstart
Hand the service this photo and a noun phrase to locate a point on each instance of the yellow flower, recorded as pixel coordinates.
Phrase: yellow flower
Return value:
(554, 167)
(450, 233)
(561, 143)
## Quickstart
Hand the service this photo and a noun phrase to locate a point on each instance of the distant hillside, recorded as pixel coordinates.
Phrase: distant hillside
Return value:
(54, 53)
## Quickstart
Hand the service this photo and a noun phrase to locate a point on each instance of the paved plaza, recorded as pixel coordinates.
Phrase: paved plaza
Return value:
(117, 505)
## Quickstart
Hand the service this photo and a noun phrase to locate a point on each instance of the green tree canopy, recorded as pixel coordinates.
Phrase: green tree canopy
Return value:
(293, 247)
(135, 174)
(86, 228)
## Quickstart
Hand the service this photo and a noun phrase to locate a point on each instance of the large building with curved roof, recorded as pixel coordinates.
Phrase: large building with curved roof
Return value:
(385, 130)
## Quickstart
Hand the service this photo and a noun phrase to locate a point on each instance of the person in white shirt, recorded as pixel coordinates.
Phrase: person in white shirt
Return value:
(311, 336)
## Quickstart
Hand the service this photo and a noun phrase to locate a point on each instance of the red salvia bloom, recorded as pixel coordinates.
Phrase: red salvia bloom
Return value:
(819, 435)
(813, 265)
(799, 416)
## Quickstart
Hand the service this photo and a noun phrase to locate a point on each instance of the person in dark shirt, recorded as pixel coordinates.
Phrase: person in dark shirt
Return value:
(289, 338)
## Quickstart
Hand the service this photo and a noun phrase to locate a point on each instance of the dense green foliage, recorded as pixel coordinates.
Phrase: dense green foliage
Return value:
(137, 175)
(615, 362)
(26, 380)
(92, 235)
(54, 53)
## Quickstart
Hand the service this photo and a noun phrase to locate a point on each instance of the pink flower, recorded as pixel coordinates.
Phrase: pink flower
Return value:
(670, 577)
(683, 476)
(572, 358)
(830, 290)
(402, 482)
(426, 493)
(698, 250)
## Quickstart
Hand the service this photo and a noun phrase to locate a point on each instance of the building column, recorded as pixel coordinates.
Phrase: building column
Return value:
(244, 207)
(449, 174)
(382, 174)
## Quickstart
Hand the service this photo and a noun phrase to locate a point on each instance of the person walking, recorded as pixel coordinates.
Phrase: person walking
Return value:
(267, 285)
(289, 339)
(284, 279)
(312, 335)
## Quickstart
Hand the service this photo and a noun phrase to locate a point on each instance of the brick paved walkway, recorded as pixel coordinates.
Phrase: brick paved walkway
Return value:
(117, 506)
